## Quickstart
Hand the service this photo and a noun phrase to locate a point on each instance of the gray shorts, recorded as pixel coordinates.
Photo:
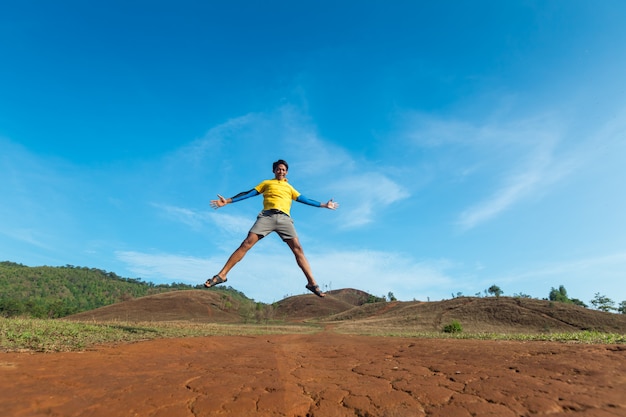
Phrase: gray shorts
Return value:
(274, 221)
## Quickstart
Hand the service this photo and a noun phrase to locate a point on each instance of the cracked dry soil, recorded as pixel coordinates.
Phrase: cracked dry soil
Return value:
(318, 375)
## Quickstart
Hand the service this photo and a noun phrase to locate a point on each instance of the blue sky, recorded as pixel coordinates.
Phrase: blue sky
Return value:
(468, 143)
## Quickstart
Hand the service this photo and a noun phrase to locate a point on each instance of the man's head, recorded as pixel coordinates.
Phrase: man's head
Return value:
(280, 169)
(279, 162)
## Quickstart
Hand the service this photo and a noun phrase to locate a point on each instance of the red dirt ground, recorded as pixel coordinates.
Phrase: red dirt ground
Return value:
(317, 375)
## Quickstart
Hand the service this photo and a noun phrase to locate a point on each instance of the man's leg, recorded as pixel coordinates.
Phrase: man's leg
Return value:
(303, 263)
(238, 254)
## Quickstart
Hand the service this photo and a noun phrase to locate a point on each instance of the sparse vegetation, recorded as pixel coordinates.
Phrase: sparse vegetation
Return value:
(373, 299)
(586, 336)
(521, 295)
(44, 335)
(603, 303)
(32, 296)
(453, 327)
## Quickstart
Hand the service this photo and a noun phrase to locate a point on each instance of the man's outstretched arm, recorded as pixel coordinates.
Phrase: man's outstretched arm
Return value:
(221, 201)
(329, 205)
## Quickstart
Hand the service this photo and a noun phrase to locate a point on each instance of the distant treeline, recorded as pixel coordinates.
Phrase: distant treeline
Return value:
(52, 292)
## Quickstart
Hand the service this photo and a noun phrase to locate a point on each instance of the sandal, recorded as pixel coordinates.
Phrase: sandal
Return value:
(315, 289)
(212, 282)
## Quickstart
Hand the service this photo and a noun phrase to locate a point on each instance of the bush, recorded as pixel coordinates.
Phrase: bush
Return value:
(453, 327)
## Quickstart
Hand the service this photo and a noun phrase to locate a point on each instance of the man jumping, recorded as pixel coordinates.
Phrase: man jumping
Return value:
(278, 195)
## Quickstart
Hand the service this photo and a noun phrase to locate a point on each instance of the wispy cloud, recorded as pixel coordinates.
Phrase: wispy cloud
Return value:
(321, 169)
(268, 272)
(506, 161)
(210, 149)
(189, 217)
(197, 220)
(37, 203)
(539, 171)
(380, 272)
(552, 157)
(582, 277)
(576, 266)
(366, 194)
(30, 236)
(165, 267)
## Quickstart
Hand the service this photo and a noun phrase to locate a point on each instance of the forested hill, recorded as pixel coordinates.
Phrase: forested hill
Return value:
(51, 292)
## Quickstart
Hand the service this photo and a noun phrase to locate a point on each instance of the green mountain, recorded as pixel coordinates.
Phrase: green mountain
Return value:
(52, 292)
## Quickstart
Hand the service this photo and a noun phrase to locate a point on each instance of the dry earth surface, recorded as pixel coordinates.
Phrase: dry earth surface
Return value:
(329, 373)
(323, 374)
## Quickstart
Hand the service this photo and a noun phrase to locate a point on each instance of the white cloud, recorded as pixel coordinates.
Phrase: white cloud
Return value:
(185, 216)
(322, 170)
(366, 195)
(163, 266)
(269, 271)
(552, 158)
(29, 236)
(518, 160)
(379, 272)
(209, 149)
(197, 220)
(232, 224)
(514, 189)
(582, 277)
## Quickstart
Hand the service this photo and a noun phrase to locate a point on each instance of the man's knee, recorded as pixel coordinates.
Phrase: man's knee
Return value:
(295, 246)
(246, 245)
(249, 242)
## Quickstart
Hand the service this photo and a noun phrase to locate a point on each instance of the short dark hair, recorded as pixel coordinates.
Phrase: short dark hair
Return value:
(280, 161)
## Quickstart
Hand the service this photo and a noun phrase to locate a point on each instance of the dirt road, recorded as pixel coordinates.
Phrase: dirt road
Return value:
(320, 375)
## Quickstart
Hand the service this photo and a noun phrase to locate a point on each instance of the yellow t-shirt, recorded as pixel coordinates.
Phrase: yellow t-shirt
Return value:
(277, 195)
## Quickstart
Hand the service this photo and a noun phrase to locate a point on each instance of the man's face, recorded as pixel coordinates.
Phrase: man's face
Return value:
(280, 172)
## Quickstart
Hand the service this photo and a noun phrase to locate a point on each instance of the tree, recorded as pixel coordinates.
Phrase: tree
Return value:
(391, 297)
(578, 302)
(495, 290)
(622, 307)
(603, 303)
(559, 295)
(373, 299)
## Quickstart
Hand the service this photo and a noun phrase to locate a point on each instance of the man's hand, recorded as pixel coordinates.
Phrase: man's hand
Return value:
(331, 204)
(221, 202)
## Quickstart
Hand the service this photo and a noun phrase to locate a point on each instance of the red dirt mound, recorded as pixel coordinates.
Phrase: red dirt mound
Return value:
(193, 305)
(220, 307)
(305, 307)
(348, 308)
(485, 315)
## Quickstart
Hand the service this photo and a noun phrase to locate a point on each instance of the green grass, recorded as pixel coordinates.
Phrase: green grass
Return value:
(590, 337)
(42, 335)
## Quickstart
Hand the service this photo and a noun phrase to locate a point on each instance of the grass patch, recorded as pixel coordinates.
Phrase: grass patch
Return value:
(590, 337)
(42, 335)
